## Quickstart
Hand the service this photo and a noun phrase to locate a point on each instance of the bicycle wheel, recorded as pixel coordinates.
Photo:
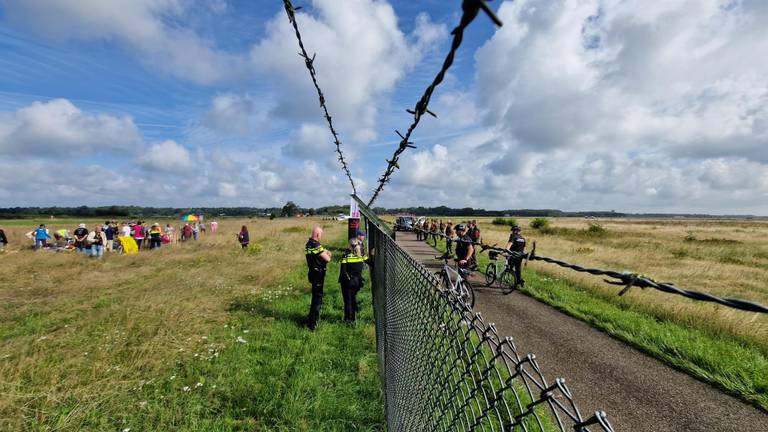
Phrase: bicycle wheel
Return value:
(508, 281)
(467, 294)
(490, 274)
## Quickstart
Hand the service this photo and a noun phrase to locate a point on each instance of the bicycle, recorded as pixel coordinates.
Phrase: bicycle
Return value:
(456, 281)
(507, 277)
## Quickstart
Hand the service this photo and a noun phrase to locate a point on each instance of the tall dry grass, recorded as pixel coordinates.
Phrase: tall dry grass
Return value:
(727, 258)
(80, 332)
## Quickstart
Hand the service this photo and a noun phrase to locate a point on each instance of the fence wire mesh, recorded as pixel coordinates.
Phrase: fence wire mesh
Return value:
(444, 368)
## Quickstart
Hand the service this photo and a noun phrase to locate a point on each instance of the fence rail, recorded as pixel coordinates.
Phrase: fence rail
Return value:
(444, 368)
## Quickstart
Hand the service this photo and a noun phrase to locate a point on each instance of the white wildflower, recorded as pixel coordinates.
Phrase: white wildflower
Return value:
(241, 340)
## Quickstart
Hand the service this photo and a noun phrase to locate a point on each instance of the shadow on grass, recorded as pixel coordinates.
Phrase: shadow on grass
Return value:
(292, 308)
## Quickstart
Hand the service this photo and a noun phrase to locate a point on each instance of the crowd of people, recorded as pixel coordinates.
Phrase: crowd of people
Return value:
(466, 235)
(111, 237)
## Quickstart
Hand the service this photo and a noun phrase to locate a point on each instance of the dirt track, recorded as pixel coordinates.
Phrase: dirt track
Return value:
(638, 392)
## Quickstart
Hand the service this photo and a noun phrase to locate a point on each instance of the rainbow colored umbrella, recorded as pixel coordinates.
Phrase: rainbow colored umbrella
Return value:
(190, 218)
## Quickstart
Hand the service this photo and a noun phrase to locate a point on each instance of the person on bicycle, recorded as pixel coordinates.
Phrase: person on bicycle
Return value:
(516, 244)
(464, 248)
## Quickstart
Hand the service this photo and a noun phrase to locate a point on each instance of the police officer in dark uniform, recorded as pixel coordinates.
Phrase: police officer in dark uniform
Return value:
(317, 258)
(351, 278)
(516, 244)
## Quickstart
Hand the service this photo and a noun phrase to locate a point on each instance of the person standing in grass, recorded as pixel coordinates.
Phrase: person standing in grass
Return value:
(243, 237)
(41, 237)
(317, 259)
(97, 238)
(110, 231)
(351, 278)
(3, 240)
(186, 232)
(81, 237)
(155, 234)
(138, 234)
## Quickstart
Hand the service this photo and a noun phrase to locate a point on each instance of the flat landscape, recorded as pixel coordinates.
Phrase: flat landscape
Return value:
(722, 346)
(195, 336)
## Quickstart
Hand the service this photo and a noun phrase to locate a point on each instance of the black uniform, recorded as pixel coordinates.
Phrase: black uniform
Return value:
(518, 245)
(462, 246)
(316, 276)
(351, 280)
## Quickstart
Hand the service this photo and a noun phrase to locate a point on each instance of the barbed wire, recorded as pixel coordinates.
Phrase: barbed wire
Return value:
(625, 279)
(310, 63)
(470, 10)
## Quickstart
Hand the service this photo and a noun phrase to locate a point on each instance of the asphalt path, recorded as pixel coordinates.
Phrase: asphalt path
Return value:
(638, 392)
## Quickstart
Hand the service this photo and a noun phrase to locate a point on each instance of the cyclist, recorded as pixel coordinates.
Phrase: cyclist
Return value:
(464, 248)
(516, 243)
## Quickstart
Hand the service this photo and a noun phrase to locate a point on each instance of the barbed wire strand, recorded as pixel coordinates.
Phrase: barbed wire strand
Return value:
(625, 279)
(470, 10)
(309, 62)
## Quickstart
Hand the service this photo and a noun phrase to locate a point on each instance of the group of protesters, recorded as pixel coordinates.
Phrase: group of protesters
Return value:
(432, 229)
(112, 236)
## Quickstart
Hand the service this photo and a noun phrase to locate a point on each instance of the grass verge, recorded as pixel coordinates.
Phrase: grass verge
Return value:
(738, 367)
(265, 371)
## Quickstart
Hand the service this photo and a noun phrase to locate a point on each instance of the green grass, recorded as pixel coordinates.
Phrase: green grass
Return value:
(265, 371)
(262, 370)
(737, 366)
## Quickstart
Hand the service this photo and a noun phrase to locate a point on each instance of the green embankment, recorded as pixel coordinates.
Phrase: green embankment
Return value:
(736, 366)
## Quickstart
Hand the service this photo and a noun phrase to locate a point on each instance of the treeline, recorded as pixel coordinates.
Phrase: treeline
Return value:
(470, 211)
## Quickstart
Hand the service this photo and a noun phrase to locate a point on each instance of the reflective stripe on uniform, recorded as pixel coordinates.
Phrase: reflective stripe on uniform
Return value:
(353, 259)
(314, 251)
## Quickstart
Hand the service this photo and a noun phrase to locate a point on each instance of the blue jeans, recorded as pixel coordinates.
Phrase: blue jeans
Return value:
(97, 251)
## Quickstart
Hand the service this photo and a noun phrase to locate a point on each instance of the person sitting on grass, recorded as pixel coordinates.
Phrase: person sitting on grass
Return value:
(243, 237)
(97, 239)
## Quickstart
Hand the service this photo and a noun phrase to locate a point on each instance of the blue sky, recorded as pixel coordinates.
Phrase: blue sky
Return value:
(575, 105)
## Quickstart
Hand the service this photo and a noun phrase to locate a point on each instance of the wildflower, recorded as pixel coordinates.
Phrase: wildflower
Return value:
(241, 340)
(173, 377)
(186, 388)
(198, 385)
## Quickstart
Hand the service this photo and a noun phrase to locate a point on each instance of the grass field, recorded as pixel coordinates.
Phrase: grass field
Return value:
(726, 347)
(196, 336)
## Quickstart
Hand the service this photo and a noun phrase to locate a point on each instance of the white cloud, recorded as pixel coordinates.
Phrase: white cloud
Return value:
(361, 54)
(231, 114)
(140, 25)
(59, 129)
(611, 104)
(168, 157)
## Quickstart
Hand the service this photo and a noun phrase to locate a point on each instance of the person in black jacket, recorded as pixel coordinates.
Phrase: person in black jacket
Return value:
(3, 240)
(317, 258)
(516, 244)
(351, 278)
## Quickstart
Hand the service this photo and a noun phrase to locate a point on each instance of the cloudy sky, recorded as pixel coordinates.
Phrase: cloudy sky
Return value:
(573, 104)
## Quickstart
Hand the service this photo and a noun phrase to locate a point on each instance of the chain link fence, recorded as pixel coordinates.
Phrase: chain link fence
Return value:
(443, 368)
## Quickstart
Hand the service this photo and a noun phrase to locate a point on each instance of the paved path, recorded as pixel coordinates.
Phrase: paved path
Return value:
(638, 392)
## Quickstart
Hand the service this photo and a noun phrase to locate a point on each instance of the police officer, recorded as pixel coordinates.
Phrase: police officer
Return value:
(351, 278)
(317, 258)
(516, 244)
